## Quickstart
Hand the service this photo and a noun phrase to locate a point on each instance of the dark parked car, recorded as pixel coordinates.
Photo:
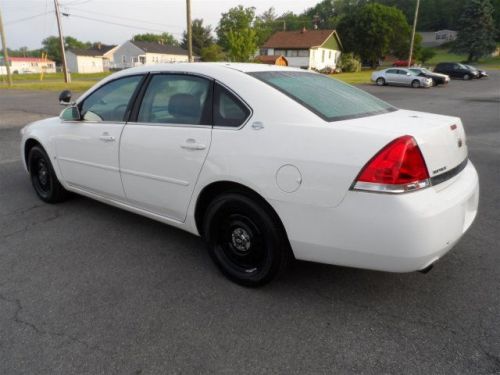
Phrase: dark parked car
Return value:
(437, 78)
(481, 73)
(456, 70)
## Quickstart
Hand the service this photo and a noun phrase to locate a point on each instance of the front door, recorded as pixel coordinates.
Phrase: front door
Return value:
(164, 147)
(87, 150)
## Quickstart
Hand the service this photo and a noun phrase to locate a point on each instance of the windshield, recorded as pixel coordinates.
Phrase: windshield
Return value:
(329, 98)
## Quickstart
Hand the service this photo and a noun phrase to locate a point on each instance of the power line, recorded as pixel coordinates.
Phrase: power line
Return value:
(28, 18)
(126, 18)
(117, 24)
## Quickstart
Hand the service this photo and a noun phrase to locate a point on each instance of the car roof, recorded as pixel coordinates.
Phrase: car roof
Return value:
(206, 68)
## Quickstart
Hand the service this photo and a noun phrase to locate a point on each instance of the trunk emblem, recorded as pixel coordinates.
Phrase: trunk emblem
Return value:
(453, 127)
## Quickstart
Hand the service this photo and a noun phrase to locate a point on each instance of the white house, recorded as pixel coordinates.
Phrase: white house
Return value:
(436, 38)
(93, 60)
(25, 65)
(132, 53)
(308, 49)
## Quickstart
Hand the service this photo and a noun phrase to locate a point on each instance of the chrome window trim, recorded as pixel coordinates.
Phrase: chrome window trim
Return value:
(168, 125)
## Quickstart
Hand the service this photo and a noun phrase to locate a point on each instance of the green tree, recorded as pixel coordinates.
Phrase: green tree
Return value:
(52, 47)
(373, 31)
(202, 37)
(213, 52)
(266, 24)
(241, 44)
(476, 38)
(164, 38)
(426, 54)
(235, 19)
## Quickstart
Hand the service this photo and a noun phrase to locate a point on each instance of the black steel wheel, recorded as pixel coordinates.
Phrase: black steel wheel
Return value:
(43, 177)
(245, 239)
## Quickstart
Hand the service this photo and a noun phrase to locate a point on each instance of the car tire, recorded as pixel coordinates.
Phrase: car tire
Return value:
(245, 239)
(380, 81)
(466, 77)
(415, 84)
(435, 82)
(43, 178)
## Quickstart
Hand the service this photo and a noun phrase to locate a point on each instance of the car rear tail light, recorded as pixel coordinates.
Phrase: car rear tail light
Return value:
(398, 168)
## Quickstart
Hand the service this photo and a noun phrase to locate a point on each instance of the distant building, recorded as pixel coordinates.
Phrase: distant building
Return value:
(308, 49)
(93, 60)
(26, 65)
(132, 53)
(437, 38)
(272, 60)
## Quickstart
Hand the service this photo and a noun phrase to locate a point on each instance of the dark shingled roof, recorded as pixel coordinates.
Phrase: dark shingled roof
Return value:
(298, 39)
(153, 47)
(94, 51)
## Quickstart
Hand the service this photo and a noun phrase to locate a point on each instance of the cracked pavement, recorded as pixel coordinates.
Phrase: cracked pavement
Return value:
(90, 289)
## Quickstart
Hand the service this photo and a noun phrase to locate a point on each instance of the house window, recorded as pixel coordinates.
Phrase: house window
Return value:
(323, 56)
(303, 53)
(124, 59)
(330, 54)
(292, 53)
(278, 52)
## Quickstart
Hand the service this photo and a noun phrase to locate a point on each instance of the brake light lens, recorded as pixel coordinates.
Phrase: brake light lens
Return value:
(398, 168)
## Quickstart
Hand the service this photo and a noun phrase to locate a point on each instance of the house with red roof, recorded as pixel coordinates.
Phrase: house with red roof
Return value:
(26, 65)
(307, 49)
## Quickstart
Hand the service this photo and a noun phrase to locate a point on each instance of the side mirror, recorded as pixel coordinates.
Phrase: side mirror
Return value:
(70, 114)
(65, 97)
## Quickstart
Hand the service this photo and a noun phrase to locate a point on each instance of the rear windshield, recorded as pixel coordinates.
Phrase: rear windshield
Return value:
(330, 99)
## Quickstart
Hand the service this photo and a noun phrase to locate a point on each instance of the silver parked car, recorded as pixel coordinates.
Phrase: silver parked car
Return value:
(400, 77)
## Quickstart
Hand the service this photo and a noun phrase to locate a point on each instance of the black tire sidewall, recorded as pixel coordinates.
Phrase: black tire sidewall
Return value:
(55, 191)
(273, 237)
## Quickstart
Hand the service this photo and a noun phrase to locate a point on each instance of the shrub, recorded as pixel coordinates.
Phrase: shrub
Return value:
(349, 63)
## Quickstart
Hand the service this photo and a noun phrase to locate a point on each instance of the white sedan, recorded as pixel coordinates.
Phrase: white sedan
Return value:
(265, 163)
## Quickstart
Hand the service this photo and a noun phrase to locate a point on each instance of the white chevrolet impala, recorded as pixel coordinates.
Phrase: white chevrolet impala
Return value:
(265, 163)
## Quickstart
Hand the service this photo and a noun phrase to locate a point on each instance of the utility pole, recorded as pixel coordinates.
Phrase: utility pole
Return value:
(5, 52)
(67, 77)
(413, 32)
(189, 31)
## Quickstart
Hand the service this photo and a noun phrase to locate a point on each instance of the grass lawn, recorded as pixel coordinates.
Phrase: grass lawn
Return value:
(53, 81)
(354, 78)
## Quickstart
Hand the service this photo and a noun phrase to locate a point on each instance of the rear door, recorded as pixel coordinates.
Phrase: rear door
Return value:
(165, 144)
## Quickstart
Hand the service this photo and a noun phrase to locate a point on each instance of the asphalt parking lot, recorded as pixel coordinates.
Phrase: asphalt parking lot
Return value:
(90, 289)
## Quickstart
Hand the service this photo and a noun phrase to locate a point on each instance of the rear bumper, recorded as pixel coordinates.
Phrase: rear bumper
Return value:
(396, 233)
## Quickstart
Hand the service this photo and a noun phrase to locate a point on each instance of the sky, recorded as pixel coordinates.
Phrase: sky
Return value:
(28, 22)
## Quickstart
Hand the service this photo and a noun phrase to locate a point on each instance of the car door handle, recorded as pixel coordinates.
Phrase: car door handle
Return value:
(105, 137)
(191, 144)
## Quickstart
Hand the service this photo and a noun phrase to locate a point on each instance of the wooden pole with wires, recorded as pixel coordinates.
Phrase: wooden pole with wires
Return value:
(5, 52)
(67, 77)
(413, 33)
(189, 31)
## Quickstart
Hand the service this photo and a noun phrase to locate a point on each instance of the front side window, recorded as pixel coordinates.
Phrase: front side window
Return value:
(176, 99)
(329, 98)
(392, 71)
(111, 101)
(228, 110)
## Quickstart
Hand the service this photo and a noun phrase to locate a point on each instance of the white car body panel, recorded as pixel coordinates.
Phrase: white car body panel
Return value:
(325, 221)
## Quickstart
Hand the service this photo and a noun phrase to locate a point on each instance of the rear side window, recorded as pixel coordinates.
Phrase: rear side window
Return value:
(392, 71)
(329, 98)
(228, 109)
